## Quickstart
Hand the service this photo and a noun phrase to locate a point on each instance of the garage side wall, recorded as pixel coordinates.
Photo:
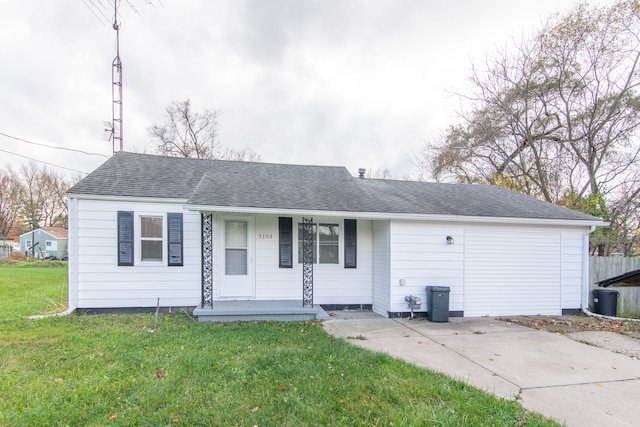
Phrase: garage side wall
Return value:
(420, 256)
(491, 269)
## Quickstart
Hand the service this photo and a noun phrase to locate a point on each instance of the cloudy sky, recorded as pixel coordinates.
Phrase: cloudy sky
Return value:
(334, 82)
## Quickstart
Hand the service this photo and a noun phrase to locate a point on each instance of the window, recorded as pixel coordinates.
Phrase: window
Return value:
(48, 244)
(326, 243)
(151, 238)
(236, 238)
(285, 231)
(350, 243)
(125, 238)
(175, 237)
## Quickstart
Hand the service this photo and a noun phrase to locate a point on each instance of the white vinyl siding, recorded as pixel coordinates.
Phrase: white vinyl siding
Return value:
(420, 257)
(572, 269)
(94, 269)
(332, 283)
(381, 270)
(512, 271)
(491, 268)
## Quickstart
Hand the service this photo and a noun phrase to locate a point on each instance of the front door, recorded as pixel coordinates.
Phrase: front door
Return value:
(236, 266)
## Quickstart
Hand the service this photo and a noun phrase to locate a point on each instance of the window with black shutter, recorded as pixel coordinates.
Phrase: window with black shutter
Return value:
(285, 228)
(350, 243)
(125, 238)
(175, 233)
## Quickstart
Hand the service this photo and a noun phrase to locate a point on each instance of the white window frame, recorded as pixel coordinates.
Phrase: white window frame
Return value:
(139, 239)
(316, 222)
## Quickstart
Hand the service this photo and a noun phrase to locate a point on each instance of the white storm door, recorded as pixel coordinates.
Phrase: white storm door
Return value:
(236, 266)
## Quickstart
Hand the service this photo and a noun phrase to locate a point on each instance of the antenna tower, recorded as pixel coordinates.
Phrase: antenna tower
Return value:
(116, 86)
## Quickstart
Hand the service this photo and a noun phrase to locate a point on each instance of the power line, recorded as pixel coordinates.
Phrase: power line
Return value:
(54, 147)
(42, 161)
(94, 13)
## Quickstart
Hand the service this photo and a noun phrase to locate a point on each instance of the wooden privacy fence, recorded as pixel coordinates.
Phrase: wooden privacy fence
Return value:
(601, 268)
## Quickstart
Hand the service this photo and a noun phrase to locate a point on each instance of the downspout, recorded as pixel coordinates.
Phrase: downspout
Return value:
(67, 312)
(586, 282)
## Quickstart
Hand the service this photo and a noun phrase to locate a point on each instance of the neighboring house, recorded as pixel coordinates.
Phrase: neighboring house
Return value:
(211, 234)
(45, 242)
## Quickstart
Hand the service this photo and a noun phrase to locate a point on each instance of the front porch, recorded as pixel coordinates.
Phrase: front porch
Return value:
(247, 310)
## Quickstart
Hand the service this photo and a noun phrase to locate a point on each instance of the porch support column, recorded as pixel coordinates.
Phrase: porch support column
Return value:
(206, 225)
(307, 262)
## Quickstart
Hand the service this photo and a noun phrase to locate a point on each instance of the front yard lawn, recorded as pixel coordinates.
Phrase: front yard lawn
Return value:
(113, 370)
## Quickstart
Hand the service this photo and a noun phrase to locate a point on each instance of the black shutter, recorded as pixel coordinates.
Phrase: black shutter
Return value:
(175, 232)
(125, 238)
(350, 243)
(285, 228)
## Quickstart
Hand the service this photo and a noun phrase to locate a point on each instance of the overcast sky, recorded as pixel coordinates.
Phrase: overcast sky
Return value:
(331, 82)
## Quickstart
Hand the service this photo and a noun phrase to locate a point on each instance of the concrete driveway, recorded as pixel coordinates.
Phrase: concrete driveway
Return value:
(569, 381)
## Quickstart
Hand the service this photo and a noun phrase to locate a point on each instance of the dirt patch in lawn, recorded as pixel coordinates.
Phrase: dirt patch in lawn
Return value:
(580, 323)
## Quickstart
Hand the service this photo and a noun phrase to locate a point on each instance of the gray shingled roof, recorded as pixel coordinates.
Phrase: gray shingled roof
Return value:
(320, 188)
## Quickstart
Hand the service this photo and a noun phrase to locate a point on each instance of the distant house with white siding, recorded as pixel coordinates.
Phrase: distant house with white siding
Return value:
(45, 242)
(228, 238)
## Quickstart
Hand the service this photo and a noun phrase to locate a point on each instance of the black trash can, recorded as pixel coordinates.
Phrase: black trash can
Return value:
(438, 303)
(605, 301)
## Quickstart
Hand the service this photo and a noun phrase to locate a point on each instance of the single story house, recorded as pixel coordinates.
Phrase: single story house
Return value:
(226, 236)
(45, 242)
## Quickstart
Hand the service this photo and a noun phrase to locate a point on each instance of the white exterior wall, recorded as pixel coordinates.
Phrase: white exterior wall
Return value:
(96, 280)
(491, 269)
(421, 257)
(332, 284)
(572, 264)
(381, 268)
(512, 271)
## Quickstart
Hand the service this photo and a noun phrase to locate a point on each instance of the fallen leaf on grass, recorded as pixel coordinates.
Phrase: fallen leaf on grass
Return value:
(113, 417)
(254, 410)
(58, 380)
(159, 373)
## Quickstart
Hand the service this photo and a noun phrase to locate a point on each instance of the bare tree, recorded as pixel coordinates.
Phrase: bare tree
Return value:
(34, 195)
(188, 133)
(10, 191)
(245, 154)
(383, 173)
(557, 117)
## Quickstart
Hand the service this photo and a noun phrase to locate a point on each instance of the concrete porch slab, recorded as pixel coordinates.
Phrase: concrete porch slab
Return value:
(250, 310)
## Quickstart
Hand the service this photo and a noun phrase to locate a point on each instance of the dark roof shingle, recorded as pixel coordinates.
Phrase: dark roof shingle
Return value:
(320, 188)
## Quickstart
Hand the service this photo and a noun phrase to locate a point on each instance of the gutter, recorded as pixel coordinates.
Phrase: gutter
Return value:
(396, 216)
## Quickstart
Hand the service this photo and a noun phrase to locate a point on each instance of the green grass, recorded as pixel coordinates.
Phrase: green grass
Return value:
(110, 370)
(32, 288)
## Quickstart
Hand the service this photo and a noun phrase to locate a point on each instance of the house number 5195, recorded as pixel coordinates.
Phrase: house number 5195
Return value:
(265, 236)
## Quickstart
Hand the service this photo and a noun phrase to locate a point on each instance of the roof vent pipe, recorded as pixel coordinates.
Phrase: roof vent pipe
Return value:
(361, 172)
